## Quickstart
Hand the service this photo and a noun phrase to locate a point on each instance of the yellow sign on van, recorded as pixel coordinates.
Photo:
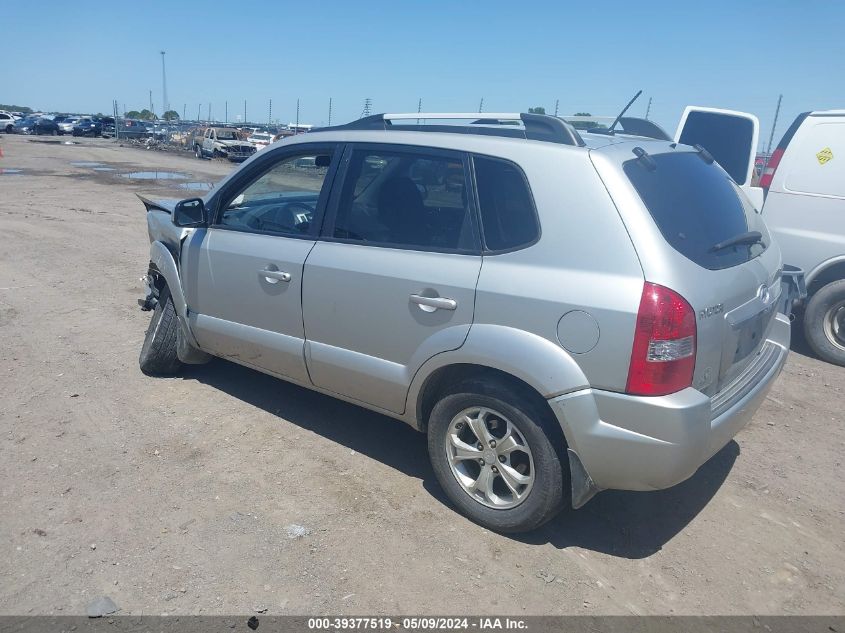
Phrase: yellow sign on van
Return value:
(824, 156)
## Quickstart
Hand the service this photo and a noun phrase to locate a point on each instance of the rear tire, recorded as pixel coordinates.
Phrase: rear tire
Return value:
(158, 353)
(532, 493)
(824, 323)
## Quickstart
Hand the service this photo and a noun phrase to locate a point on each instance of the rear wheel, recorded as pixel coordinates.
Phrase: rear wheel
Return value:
(494, 458)
(158, 353)
(824, 322)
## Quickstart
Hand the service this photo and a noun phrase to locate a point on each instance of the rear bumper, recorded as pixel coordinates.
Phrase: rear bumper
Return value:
(648, 443)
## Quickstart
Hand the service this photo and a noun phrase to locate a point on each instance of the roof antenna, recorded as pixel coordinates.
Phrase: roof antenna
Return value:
(624, 110)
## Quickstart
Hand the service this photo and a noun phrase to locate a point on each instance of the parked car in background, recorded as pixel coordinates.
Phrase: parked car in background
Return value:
(260, 139)
(626, 323)
(224, 142)
(67, 124)
(36, 125)
(87, 127)
(7, 122)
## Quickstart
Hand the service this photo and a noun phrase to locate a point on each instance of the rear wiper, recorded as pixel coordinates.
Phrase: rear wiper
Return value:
(749, 237)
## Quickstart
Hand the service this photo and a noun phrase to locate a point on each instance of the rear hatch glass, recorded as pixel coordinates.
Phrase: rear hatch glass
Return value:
(698, 208)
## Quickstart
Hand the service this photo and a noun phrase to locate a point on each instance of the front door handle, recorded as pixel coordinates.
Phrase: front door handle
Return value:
(274, 276)
(430, 304)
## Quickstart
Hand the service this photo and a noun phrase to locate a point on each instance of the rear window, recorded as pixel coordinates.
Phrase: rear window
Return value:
(696, 206)
(508, 218)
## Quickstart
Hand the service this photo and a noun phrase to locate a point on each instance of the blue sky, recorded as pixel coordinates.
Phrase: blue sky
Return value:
(591, 56)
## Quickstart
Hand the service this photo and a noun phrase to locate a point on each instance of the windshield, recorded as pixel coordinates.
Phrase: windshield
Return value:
(697, 206)
(226, 135)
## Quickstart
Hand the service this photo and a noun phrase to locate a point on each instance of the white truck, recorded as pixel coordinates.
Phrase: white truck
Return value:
(223, 142)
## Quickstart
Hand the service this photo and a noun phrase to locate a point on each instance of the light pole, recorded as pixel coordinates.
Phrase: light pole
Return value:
(165, 104)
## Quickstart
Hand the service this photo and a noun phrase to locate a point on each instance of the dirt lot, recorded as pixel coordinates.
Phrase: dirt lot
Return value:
(176, 495)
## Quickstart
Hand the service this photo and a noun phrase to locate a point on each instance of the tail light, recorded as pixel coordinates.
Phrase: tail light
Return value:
(771, 167)
(663, 354)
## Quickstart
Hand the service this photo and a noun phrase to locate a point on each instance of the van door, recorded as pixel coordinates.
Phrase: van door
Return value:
(731, 137)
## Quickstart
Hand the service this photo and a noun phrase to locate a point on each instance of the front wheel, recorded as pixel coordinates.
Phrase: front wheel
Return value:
(492, 452)
(158, 353)
(824, 323)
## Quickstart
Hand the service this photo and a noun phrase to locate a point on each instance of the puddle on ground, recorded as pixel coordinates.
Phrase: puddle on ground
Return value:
(85, 163)
(195, 186)
(52, 142)
(4, 171)
(154, 175)
(103, 168)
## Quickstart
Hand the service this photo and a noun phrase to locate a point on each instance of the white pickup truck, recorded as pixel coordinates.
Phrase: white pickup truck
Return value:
(223, 142)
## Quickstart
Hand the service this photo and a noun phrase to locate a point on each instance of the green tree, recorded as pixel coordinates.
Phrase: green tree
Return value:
(146, 115)
(537, 110)
(132, 114)
(170, 115)
(585, 125)
(15, 108)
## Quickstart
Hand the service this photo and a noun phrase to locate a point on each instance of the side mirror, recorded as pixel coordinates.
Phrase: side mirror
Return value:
(188, 213)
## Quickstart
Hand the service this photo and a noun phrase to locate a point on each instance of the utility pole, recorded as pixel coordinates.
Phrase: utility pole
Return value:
(244, 111)
(419, 108)
(368, 104)
(772, 135)
(297, 117)
(481, 105)
(226, 110)
(165, 104)
(270, 113)
(330, 111)
(199, 105)
(648, 108)
(151, 101)
(557, 105)
(209, 113)
(184, 110)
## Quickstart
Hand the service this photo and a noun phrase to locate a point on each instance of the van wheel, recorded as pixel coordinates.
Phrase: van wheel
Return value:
(824, 323)
(158, 353)
(494, 458)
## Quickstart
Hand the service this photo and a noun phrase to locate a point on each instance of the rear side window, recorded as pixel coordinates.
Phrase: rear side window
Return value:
(508, 217)
(696, 206)
(728, 138)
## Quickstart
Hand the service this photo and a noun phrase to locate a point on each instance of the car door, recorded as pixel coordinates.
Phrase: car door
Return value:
(730, 137)
(392, 280)
(243, 274)
(208, 142)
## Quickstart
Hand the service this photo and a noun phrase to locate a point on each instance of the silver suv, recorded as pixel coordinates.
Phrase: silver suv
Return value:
(561, 314)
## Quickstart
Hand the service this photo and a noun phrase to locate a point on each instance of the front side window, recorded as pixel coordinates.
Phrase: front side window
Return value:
(282, 200)
(408, 199)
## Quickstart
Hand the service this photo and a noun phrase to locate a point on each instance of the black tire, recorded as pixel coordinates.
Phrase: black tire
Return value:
(158, 353)
(819, 328)
(545, 499)
(54, 133)
(10, 129)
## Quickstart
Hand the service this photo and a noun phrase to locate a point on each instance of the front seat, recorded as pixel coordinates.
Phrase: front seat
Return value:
(402, 212)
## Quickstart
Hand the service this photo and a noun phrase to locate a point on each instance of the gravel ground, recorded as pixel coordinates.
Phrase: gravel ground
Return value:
(225, 491)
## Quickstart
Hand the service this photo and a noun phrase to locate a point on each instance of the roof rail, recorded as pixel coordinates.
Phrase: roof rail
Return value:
(535, 127)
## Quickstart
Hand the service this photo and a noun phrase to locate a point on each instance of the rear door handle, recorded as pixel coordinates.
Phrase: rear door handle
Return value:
(274, 276)
(430, 304)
